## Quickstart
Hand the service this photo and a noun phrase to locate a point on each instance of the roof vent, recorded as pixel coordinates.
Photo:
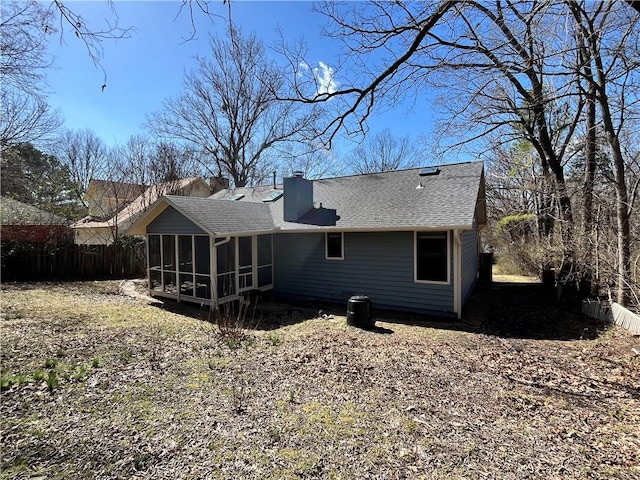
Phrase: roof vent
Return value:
(298, 173)
(273, 196)
(428, 171)
(237, 196)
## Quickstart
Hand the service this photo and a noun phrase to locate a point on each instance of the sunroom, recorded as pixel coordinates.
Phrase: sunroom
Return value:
(180, 266)
(206, 251)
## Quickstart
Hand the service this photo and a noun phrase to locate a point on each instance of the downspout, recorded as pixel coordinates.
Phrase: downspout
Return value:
(148, 267)
(176, 262)
(214, 270)
(457, 277)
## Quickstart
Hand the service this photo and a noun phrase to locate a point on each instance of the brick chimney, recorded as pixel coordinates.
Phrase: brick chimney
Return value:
(218, 183)
(298, 196)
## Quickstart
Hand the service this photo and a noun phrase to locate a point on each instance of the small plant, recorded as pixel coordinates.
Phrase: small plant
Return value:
(275, 434)
(232, 327)
(275, 339)
(140, 461)
(61, 353)
(619, 413)
(7, 382)
(79, 372)
(232, 343)
(39, 375)
(50, 363)
(292, 396)
(52, 380)
(95, 362)
(19, 379)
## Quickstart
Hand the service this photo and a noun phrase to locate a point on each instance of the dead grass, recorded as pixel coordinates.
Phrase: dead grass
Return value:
(147, 393)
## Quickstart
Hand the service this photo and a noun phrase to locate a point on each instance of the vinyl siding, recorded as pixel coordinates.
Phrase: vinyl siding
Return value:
(172, 221)
(378, 264)
(469, 262)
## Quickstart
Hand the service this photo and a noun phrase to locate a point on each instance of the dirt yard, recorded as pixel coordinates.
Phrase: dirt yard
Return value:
(96, 384)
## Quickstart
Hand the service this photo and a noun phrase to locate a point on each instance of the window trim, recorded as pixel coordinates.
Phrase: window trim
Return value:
(415, 258)
(326, 246)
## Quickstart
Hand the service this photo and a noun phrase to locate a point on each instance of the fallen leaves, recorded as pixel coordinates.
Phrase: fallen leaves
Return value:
(167, 399)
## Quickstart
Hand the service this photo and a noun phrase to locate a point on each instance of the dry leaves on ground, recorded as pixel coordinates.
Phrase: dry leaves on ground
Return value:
(146, 392)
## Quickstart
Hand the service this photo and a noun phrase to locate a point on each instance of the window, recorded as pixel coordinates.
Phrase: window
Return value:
(333, 246)
(432, 257)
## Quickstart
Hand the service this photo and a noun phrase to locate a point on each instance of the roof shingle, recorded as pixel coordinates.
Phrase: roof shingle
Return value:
(396, 200)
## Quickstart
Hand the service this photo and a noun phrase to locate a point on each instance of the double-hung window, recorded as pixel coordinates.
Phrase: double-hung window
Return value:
(432, 257)
(334, 246)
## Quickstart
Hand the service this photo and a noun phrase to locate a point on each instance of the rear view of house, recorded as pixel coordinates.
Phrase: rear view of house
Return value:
(408, 239)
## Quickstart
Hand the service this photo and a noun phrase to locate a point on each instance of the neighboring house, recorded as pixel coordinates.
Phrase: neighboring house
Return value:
(105, 198)
(28, 224)
(92, 231)
(408, 239)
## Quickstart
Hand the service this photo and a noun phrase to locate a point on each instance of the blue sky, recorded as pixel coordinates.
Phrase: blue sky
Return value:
(149, 66)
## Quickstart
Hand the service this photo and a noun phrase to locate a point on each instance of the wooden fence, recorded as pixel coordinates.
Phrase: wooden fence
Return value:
(22, 261)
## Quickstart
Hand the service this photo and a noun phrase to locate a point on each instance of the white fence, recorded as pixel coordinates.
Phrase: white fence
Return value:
(614, 313)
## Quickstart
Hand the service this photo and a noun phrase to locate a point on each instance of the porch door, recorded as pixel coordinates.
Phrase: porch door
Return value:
(246, 279)
(225, 269)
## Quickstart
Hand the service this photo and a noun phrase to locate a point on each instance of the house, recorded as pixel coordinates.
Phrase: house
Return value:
(408, 239)
(28, 224)
(105, 198)
(96, 230)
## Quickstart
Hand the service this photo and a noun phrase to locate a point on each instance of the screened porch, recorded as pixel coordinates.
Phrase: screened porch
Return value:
(208, 270)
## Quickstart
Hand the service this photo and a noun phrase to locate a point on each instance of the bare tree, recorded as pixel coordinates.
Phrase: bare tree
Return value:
(230, 111)
(366, 29)
(91, 36)
(382, 152)
(25, 116)
(608, 40)
(513, 70)
(147, 162)
(315, 162)
(85, 156)
(25, 27)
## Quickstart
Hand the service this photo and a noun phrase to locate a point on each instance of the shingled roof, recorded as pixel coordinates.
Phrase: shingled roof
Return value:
(14, 212)
(221, 217)
(401, 199)
(397, 200)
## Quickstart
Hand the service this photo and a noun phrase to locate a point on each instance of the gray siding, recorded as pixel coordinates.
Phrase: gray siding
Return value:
(378, 264)
(172, 221)
(469, 262)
